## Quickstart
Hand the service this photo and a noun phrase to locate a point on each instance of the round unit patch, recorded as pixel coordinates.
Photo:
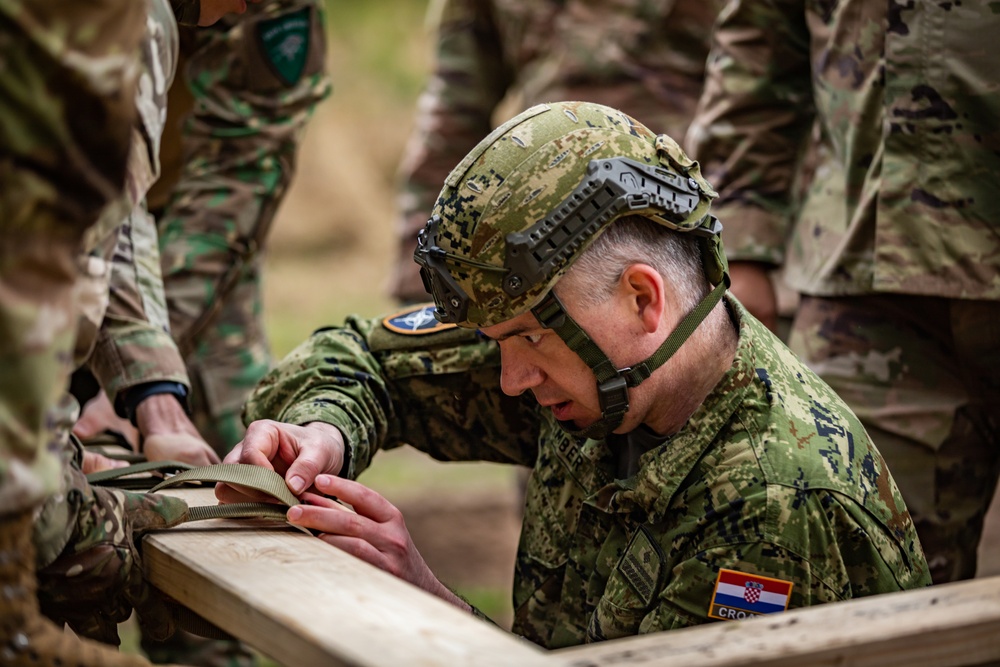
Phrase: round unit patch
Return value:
(415, 321)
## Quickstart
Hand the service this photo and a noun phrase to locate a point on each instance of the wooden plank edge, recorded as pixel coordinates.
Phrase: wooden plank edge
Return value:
(950, 625)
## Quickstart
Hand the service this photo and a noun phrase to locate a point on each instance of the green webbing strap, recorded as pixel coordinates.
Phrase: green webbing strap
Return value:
(250, 476)
(612, 383)
(238, 511)
(120, 449)
(638, 373)
(119, 476)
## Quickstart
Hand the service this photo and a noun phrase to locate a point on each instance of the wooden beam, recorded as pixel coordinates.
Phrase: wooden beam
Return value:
(951, 625)
(304, 603)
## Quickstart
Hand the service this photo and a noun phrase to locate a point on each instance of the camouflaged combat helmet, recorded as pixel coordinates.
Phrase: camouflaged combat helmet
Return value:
(532, 196)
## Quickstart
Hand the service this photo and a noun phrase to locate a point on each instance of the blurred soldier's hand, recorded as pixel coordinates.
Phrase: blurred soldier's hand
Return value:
(169, 435)
(752, 286)
(298, 453)
(99, 416)
(94, 462)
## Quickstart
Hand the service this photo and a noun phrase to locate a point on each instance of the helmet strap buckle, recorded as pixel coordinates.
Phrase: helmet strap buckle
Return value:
(613, 395)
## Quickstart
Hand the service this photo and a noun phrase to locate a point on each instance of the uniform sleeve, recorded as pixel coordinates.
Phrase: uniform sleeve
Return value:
(692, 596)
(828, 548)
(752, 122)
(438, 392)
(134, 344)
(453, 113)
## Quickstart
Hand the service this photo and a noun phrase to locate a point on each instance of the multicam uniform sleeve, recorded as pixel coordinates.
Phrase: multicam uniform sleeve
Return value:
(134, 344)
(439, 392)
(753, 118)
(453, 113)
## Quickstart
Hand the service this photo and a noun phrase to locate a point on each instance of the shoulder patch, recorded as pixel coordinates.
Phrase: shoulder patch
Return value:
(738, 595)
(284, 41)
(415, 321)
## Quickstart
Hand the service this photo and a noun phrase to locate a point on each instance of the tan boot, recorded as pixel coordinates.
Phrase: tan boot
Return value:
(26, 637)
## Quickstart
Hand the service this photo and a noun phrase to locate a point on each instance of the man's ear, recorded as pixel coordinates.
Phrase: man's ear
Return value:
(643, 287)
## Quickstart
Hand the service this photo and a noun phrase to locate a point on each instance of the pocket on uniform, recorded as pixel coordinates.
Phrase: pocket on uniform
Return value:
(631, 592)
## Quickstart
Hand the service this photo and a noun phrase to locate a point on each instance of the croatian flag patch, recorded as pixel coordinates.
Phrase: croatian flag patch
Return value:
(738, 595)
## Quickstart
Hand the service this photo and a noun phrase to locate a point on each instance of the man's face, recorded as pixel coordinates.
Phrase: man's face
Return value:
(536, 359)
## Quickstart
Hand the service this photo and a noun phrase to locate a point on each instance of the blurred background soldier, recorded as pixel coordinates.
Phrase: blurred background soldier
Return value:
(495, 58)
(896, 250)
(237, 113)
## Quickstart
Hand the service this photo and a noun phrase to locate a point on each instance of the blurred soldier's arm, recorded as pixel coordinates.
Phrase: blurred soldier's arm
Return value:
(454, 112)
(135, 359)
(749, 133)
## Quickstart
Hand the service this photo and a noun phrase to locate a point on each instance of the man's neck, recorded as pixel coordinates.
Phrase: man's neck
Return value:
(686, 380)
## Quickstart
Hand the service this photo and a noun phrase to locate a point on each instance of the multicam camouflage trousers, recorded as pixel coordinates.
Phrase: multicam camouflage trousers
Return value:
(923, 375)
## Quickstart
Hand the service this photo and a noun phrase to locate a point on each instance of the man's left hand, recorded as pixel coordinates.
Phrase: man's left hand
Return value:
(375, 532)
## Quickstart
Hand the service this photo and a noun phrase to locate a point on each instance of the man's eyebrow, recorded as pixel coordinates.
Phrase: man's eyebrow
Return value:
(513, 332)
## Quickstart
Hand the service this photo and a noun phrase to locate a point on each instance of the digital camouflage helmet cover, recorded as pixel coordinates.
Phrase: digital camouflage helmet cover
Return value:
(532, 196)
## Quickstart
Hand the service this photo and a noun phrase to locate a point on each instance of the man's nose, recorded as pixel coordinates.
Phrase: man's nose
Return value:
(517, 374)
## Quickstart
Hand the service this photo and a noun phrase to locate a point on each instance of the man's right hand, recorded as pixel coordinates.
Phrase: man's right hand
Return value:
(752, 286)
(298, 453)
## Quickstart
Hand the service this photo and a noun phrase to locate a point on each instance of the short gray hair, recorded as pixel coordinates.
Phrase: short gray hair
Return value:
(635, 239)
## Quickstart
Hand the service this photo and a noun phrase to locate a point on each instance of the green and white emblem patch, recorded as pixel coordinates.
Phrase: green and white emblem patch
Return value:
(284, 42)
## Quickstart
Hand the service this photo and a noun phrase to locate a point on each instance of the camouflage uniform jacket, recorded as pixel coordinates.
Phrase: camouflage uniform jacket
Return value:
(772, 476)
(123, 333)
(906, 97)
(645, 58)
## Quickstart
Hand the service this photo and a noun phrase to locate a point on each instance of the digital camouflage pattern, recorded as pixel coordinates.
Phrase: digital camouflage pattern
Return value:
(645, 57)
(901, 216)
(772, 475)
(527, 168)
(923, 375)
(60, 165)
(904, 197)
(255, 79)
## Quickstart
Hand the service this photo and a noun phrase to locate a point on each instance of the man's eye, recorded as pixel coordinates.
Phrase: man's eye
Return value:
(534, 339)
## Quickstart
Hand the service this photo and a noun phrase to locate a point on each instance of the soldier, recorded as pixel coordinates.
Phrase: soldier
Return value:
(250, 83)
(60, 172)
(57, 172)
(897, 247)
(645, 58)
(686, 466)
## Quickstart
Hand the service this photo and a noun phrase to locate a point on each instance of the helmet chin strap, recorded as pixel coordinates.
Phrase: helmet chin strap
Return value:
(613, 383)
